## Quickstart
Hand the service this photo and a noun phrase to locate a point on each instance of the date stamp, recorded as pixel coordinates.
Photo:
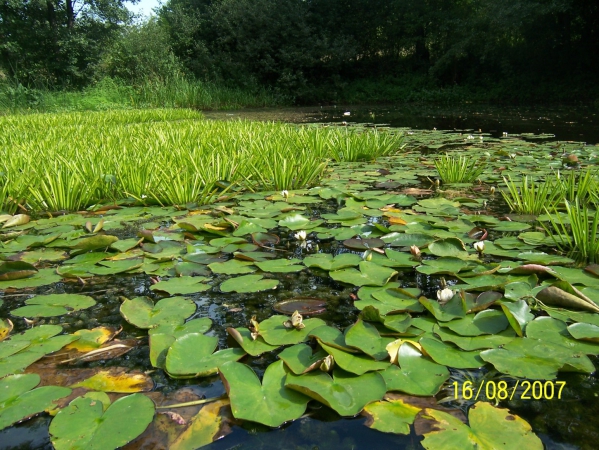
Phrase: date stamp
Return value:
(500, 390)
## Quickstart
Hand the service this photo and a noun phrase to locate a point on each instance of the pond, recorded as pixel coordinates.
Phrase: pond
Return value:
(379, 244)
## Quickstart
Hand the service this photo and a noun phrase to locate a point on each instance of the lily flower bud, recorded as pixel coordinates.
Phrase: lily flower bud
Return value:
(479, 247)
(444, 295)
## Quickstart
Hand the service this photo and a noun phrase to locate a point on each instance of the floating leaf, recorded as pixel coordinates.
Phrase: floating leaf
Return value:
(117, 381)
(450, 247)
(354, 363)
(232, 267)
(345, 393)
(205, 428)
(364, 336)
(53, 305)
(552, 330)
(475, 343)
(142, 313)
(485, 322)
(14, 270)
(447, 355)
(84, 424)
(390, 416)
(248, 283)
(91, 339)
(182, 285)
(370, 274)
(163, 336)
(363, 244)
(254, 347)
(269, 403)
(19, 400)
(584, 331)
(327, 262)
(490, 428)
(280, 265)
(275, 333)
(518, 313)
(300, 359)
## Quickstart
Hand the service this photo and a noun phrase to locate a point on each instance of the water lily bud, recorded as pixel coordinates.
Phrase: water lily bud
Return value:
(415, 251)
(327, 363)
(444, 295)
(300, 235)
(285, 194)
(479, 246)
(367, 255)
(492, 190)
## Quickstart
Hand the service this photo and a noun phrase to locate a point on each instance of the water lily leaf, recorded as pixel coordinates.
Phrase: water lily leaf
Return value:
(390, 416)
(554, 295)
(264, 239)
(364, 336)
(552, 330)
(299, 358)
(248, 227)
(450, 356)
(93, 243)
(370, 274)
(332, 337)
(36, 256)
(450, 247)
(297, 222)
(163, 336)
(205, 427)
(142, 313)
(544, 258)
(407, 239)
(490, 427)
(274, 332)
(355, 363)
(182, 285)
(125, 245)
(416, 374)
(453, 309)
(16, 220)
(189, 269)
(269, 403)
(477, 342)
(390, 300)
(536, 359)
(254, 347)
(518, 313)
(584, 331)
(363, 244)
(510, 226)
(395, 259)
(15, 270)
(517, 290)
(326, 261)
(485, 322)
(6, 327)
(191, 356)
(443, 265)
(576, 276)
(345, 393)
(248, 283)
(117, 381)
(280, 265)
(19, 400)
(114, 267)
(204, 258)
(53, 305)
(84, 424)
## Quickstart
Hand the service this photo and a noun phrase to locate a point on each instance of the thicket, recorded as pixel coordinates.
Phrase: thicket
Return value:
(306, 51)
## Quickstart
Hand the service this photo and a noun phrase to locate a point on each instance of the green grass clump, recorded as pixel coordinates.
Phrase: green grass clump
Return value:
(459, 169)
(530, 197)
(165, 156)
(581, 185)
(577, 234)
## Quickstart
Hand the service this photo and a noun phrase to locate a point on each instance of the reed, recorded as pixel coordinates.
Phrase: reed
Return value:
(459, 169)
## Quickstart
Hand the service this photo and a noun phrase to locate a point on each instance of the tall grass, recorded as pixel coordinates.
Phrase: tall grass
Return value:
(70, 161)
(530, 197)
(581, 185)
(460, 169)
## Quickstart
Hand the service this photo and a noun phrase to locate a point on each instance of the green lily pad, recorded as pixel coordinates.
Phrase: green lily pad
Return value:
(297, 222)
(332, 337)
(19, 400)
(163, 336)
(490, 428)
(354, 363)
(93, 243)
(191, 356)
(552, 330)
(280, 265)
(365, 337)
(584, 331)
(453, 309)
(390, 416)
(254, 347)
(248, 283)
(345, 393)
(299, 358)
(489, 321)
(450, 247)
(477, 342)
(416, 374)
(41, 278)
(269, 402)
(519, 315)
(232, 267)
(327, 262)
(114, 267)
(407, 239)
(447, 355)
(142, 313)
(370, 274)
(443, 265)
(395, 259)
(87, 423)
(275, 333)
(15, 270)
(53, 305)
(182, 285)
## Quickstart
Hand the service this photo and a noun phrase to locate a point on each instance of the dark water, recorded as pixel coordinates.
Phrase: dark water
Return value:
(567, 123)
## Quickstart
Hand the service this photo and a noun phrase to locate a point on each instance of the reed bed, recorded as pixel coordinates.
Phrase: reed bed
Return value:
(71, 161)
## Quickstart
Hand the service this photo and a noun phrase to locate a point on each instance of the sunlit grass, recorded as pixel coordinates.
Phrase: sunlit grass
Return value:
(530, 197)
(578, 184)
(166, 157)
(460, 169)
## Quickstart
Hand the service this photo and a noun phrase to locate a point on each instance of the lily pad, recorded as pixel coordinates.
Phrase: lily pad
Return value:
(519, 315)
(280, 265)
(275, 333)
(232, 267)
(300, 358)
(115, 380)
(327, 262)
(15, 270)
(248, 283)
(370, 274)
(450, 247)
(354, 363)
(390, 416)
(269, 402)
(477, 342)
(143, 313)
(251, 346)
(53, 305)
(489, 321)
(182, 285)
(365, 337)
(87, 424)
(163, 336)
(345, 393)
(449, 356)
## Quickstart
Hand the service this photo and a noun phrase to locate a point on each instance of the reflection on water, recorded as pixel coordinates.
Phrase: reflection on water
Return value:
(567, 123)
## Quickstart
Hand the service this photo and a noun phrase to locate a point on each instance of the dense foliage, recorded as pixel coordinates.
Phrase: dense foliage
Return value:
(317, 50)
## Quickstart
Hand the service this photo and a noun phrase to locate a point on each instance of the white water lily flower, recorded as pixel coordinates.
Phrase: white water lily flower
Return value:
(479, 246)
(444, 295)
(415, 251)
(367, 255)
(300, 235)
(285, 194)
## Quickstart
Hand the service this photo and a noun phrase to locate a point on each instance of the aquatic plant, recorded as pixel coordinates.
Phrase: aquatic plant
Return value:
(460, 169)
(579, 184)
(531, 197)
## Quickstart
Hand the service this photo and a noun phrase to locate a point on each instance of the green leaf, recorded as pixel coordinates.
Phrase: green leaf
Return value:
(280, 265)
(248, 283)
(182, 285)
(299, 358)
(489, 321)
(85, 425)
(326, 261)
(163, 336)
(370, 274)
(19, 400)
(450, 247)
(518, 313)
(142, 313)
(390, 416)
(53, 305)
(478, 342)
(447, 355)
(490, 428)
(254, 347)
(274, 332)
(345, 393)
(552, 330)
(232, 267)
(15, 270)
(364, 336)
(269, 403)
